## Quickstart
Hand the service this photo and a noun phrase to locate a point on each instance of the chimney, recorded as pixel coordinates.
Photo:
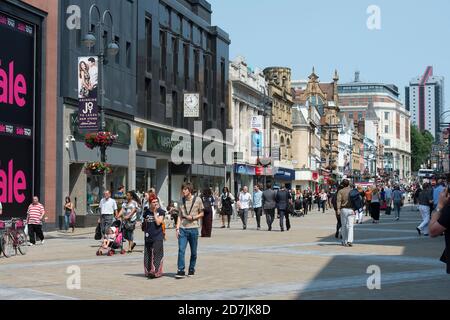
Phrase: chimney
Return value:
(357, 76)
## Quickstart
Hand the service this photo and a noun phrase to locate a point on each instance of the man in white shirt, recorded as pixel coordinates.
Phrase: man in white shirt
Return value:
(108, 210)
(245, 198)
(93, 73)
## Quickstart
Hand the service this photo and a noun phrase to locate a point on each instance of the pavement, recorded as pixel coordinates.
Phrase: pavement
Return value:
(305, 263)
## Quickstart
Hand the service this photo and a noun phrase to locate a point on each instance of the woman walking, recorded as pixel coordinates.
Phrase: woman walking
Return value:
(397, 198)
(154, 239)
(375, 206)
(128, 213)
(305, 202)
(68, 212)
(226, 203)
(208, 204)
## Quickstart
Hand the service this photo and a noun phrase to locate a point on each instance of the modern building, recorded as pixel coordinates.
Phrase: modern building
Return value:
(250, 119)
(28, 109)
(393, 125)
(279, 82)
(424, 98)
(168, 48)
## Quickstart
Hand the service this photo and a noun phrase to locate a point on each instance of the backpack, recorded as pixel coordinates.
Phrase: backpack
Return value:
(207, 203)
(355, 200)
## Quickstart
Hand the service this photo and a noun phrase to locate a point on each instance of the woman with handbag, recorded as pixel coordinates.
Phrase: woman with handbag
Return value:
(68, 209)
(226, 204)
(129, 217)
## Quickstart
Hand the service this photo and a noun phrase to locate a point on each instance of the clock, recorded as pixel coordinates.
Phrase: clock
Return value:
(191, 105)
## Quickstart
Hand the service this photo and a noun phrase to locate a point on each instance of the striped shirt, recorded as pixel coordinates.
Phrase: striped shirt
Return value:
(35, 213)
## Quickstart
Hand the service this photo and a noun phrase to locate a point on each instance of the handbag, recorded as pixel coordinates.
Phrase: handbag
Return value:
(72, 218)
(128, 225)
(98, 232)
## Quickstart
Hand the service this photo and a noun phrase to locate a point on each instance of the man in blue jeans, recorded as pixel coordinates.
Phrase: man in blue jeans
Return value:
(187, 229)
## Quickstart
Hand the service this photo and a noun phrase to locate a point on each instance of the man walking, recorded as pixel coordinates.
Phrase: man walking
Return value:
(187, 229)
(269, 203)
(257, 205)
(440, 186)
(425, 201)
(245, 199)
(388, 198)
(345, 207)
(440, 223)
(35, 215)
(283, 198)
(108, 210)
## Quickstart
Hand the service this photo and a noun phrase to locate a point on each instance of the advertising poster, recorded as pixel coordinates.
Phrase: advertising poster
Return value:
(87, 73)
(17, 108)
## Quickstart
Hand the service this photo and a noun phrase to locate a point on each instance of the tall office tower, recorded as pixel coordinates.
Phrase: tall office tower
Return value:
(425, 99)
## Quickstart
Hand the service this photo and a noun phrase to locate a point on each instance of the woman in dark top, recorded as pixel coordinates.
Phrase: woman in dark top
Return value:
(207, 221)
(154, 239)
(68, 208)
(226, 201)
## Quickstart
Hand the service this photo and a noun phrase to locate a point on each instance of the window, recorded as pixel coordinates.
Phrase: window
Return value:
(128, 53)
(197, 69)
(162, 95)
(175, 59)
(186, 66)
(386, 116)
(222, 79)
(387, 142)
(360, 115)
(386, 129)
(148, 39)
(175, 116)
(148, 98)
(117, 57)
(163, 50)
(206, 75)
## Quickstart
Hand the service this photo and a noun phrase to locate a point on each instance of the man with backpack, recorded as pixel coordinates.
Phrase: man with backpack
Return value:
(347, 212)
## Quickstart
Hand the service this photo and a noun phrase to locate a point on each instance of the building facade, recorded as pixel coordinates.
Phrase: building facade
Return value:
(279, 83)
(249, 114)
(168, 48)
(28, 109)
(322, 97)
(393, 126)
(424, 98)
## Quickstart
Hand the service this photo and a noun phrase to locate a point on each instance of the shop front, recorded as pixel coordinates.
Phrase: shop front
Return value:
(84, 187)
(284, 176)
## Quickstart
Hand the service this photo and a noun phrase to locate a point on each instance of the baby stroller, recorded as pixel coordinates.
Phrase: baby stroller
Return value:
(112, 240)
(298, 208)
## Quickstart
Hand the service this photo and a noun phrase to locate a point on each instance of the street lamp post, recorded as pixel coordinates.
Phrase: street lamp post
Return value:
(111, 49)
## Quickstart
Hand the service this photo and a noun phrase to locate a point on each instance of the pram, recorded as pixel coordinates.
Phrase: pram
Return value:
(115, 237)
(298, 208)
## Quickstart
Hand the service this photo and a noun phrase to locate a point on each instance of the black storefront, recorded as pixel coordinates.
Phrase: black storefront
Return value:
(20, 108)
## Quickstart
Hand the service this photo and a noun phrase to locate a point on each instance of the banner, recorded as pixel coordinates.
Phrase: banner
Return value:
(257, 143)
(17, 121)
(87, 73)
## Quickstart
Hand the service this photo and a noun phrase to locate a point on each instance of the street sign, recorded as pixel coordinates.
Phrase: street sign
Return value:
(257, 122)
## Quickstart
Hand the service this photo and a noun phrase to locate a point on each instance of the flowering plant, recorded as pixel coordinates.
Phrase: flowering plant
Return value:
(99, 139)
(97, 168)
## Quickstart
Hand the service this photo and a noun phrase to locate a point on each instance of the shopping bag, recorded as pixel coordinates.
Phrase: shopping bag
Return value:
(98, 233)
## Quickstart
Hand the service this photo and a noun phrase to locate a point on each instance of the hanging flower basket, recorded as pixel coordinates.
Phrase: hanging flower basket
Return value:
(97, 168)
(99, 139)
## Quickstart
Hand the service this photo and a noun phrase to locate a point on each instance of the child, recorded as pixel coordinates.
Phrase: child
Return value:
(109, 238)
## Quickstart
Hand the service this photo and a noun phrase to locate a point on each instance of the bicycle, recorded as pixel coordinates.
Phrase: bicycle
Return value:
(13, 238)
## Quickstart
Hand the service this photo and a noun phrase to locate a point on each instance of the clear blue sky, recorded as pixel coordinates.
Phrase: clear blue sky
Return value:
(330, 34)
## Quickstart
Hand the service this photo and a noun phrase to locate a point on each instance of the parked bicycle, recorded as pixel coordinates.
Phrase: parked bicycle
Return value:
(12, 237)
